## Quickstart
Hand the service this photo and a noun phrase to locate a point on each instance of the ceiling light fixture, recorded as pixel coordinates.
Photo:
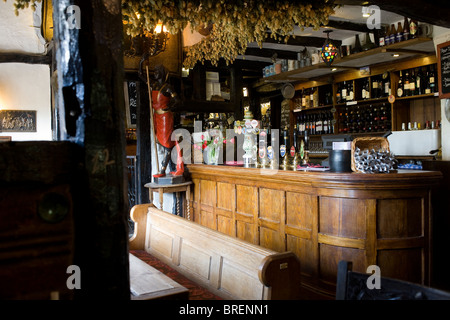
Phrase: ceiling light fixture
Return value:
(329, 50)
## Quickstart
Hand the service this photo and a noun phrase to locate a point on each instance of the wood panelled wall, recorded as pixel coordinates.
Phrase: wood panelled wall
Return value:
(323, 218)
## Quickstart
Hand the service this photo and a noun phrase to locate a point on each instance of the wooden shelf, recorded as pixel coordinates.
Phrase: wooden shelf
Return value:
(407, 49)
(313, 108)
(428, 95)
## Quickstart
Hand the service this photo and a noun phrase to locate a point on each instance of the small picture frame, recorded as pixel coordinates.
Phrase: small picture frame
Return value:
(17, 121)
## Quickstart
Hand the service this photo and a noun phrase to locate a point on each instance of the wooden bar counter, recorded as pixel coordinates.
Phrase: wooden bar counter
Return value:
(323, 217)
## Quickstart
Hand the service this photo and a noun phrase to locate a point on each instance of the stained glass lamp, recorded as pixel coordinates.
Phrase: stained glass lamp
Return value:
(329, 50)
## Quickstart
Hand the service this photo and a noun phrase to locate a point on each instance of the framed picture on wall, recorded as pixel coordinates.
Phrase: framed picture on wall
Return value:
(17, 121)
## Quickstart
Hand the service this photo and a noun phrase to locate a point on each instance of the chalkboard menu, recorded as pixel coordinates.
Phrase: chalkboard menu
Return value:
(131, 98)
(285, 114)
(443, 51)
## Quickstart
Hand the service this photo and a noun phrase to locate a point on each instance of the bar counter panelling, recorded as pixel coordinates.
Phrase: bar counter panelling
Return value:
(323, 217)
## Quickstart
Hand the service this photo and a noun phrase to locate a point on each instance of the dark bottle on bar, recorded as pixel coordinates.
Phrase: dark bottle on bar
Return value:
(386, 84)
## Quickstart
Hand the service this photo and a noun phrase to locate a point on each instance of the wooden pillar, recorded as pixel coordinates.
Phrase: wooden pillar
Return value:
(90, 104)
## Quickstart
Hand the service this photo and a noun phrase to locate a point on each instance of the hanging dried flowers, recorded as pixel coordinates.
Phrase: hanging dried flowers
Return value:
(235, 22)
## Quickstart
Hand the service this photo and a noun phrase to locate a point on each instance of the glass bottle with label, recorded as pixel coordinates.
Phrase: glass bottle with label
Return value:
(406, 87)
(344, 92)
(419, 81)
(386, 84)
(350, 92)
(365, 93)
(400, 85)
(406, 29)
(431, 79)
(412, 83)
(392, 34)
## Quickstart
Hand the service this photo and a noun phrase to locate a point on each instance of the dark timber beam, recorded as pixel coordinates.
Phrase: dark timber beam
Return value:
(91, 102)
(25, 58)
(316, 42)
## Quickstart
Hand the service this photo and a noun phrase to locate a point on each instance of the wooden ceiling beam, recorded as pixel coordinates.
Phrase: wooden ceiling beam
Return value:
(316, 42)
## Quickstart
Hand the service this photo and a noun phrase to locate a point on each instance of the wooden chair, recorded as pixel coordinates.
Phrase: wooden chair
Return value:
(353, 286)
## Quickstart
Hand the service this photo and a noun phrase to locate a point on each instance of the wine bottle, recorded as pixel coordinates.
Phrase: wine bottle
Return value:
(406, 90)
(344, 92)
(338, 94)
(365, 89)
(427, 82)
(357, 48)
(387, 84)
(387, 33)
(368, 44)
(399, 33)
(400, 85)
(412, 83)
(303, 98)
(350, 92)
(419, 82)
(319, 124)
(406, 29)
(431, 79)
(325, 124)
(381, 37)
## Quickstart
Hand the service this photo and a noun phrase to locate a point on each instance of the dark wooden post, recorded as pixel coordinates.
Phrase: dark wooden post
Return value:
(90, 104)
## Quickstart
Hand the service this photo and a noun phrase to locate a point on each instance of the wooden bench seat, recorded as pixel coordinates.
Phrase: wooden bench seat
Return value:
(230, 268)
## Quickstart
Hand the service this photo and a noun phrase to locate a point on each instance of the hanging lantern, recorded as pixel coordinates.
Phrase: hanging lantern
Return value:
(329, 50)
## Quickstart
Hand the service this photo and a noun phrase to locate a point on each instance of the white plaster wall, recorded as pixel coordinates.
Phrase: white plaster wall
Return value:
(20, 33)
(27, 87)
(24, 86)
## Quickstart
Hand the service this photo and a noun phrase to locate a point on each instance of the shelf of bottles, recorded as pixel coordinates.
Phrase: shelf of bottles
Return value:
(365, 89)
(416, 82)
(314, 98)
(367, 118)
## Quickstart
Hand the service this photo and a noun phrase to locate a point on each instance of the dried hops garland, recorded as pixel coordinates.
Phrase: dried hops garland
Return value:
(235, 22)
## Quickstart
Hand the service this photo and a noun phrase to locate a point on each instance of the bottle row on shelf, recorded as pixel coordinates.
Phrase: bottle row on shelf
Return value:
(417, 125)
(367, 118)
(416, 81)
(315, 123)
(392, 34)
(411, 82)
